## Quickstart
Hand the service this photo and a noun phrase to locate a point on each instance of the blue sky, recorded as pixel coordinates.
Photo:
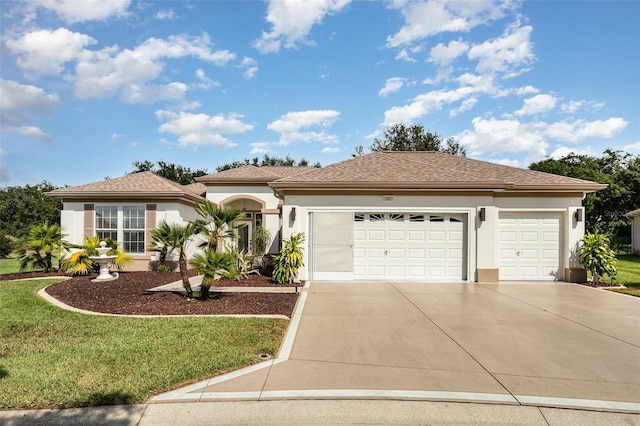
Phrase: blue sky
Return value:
(89, 87)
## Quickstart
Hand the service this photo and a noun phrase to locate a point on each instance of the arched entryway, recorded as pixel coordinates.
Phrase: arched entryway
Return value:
(252, 208)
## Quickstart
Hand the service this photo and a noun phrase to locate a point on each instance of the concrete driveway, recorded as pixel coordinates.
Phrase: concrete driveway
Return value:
(541, 344)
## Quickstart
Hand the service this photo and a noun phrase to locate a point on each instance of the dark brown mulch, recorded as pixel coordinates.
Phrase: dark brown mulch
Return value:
(601, 284)
(128, 295)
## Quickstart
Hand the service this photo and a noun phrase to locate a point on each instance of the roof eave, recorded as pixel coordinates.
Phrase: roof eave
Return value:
(103, 195)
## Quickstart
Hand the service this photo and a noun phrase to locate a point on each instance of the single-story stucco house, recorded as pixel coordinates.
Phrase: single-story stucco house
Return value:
(635, 230)
(410, 216)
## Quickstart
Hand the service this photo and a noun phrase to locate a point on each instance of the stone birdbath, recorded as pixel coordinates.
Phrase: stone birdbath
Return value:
(103, 262)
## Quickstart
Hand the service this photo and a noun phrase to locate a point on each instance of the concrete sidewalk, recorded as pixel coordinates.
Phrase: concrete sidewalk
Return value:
(314, 413)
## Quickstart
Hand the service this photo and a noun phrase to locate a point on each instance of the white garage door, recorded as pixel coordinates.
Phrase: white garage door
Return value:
(409, 247)
(530, 246)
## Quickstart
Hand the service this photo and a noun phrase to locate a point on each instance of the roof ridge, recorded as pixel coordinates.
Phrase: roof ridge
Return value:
(447, 167)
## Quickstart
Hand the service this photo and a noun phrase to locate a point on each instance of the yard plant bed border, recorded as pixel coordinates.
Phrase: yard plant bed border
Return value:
(129, 295)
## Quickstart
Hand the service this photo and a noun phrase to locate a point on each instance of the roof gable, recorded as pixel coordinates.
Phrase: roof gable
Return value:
(141, 185)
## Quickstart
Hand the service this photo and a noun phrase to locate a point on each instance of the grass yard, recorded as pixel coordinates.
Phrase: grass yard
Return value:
(628, 274)
(11, 266)
(50, 357)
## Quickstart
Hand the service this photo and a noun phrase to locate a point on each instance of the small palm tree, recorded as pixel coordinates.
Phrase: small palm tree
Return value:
(217, 224)
(161, 241)
(213, 266)
(178, 238)
(36, 249)
(79, 263)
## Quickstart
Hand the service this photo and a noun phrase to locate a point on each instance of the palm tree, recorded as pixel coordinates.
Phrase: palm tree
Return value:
(160, 242)
(79, 263)
(36, 249)
(213, 266)
(178, 238)
(217, 223)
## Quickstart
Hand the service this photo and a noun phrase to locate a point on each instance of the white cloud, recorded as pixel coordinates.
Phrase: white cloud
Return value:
(499, 136)
(571, 106)
(46, 51)
(392, 85)
(404, 55)
(537, 104)
(466, 105)
(577, 130)
(260, 148)
(505, 54)
(112, 70)
(634, 147)
(330, 149)
(526, 90)
(506, 162)
(205, 82)
(19, 101)
(290, 125)
(427, 18)
(72, 11)
(470, 87)
(563, 151)
(292, 20)
(444, 55)
(165, 14)
(201, 129)
(250, 67)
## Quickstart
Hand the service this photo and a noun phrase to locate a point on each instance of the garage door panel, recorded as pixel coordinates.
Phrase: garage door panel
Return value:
(507, 236)
(396, 235)
(417, 253)
(530, 245)
(456, 236)
(396, 253)
(376, 235)
(410, 246)
(455, 254)
(375, 253)
(436, 254)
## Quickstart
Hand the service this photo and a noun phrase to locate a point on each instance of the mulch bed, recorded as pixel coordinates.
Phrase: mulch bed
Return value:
(128, 295)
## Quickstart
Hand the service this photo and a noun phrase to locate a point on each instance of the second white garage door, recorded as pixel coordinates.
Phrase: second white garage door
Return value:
(530, 246)
(409, 247)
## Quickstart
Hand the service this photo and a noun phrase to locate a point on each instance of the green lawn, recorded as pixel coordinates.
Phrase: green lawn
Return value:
(11, 266)
(628, 274)
(50, 357)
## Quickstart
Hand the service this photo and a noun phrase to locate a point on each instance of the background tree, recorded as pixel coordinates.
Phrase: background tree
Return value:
(413, 137)
(266, 160)
(174, 172)
(24, 206)
(605, 209)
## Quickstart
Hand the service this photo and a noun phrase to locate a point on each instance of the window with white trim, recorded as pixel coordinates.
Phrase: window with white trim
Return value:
(133, 228)
(107, 222)
(122, 224)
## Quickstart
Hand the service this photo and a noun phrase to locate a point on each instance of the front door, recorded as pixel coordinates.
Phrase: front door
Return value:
(244, 236)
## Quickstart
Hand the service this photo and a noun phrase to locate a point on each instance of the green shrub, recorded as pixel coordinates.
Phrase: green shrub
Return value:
(261, 239)
(213, 265)
(597, 256)
(289, 260)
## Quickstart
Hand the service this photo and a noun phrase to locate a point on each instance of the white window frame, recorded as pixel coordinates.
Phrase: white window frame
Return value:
(120, 229)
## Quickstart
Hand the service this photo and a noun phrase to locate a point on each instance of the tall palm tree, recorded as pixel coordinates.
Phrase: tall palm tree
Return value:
(179, 237)
(217, 224)
(36, 249)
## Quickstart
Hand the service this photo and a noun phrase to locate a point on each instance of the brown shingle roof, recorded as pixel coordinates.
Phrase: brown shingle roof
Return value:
(428, 170)
(135, 185)
(252, 174)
